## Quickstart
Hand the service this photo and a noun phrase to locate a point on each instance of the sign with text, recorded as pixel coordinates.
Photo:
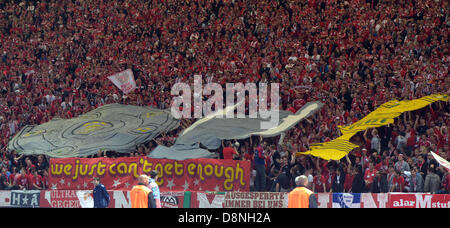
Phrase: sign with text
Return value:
(256, 200)
(174, 175)
(25, 198)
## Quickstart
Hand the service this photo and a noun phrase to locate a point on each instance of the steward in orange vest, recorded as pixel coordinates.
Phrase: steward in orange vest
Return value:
(141, 196)
(301, 197)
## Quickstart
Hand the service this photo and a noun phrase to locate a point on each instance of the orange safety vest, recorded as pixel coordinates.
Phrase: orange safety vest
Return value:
(139, 196)
(299, 198)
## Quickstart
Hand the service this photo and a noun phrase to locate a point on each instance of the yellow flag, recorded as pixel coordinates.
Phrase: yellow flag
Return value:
(334, 149)
(383, 115)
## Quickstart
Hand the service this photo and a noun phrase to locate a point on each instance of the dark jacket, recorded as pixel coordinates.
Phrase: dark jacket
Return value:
(358, 184)
(101, 196)
(380, 184)
(151, 200)
(312, 201)
(338, 184)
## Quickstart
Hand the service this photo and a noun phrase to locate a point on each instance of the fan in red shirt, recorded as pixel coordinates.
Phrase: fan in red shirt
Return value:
(319, 182)
(398, 182)
(30, 167)
(351, 172)
(446, 182)
(21, 180)
(369, 175)
(35, 181)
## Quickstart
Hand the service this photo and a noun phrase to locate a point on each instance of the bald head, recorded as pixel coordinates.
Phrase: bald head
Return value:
(301, 180)
(143, 179)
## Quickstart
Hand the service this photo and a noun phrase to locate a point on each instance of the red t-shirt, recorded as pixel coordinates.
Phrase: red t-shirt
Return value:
(369, 175)
(329, 180)
(22, 180)
(29, 168)
(348, 182)
(35, 180)
(228, 153)
(447, 182)
(318, 183)
(412, 138)
(397, 181)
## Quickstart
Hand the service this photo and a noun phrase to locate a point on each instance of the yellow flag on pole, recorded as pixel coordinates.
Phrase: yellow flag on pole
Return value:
(383, 115)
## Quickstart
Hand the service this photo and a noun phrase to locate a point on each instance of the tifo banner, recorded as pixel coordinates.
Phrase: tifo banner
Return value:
(386, 113)
(121, 173)
(114, 127)
(334, 149)
(211, 130)
(383, 115)
(206, 129)
(124, 81)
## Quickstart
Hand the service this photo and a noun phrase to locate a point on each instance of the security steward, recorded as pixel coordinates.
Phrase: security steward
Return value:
(301, 197)
(141, 196)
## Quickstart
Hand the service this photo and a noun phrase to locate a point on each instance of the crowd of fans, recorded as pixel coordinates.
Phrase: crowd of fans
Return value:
(353, 55)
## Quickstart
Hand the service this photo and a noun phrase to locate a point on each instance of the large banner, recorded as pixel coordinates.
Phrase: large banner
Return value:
(207, 129)
(383, 200)
(118, 199)
(174, 175)
(121, 199)
(124, 81)
(114, 127)
(383, 115)
(211, 130)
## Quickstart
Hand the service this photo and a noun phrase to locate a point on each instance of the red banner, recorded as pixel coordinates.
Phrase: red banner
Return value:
(121, 173)
(121, 199)
(391, 200)
(83, 199)
(399, 200)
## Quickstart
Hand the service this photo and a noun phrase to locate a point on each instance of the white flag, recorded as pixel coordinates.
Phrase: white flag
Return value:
(124, 80)
(441, 161)
(85, 198)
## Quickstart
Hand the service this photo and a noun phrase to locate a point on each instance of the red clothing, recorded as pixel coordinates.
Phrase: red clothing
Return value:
(228, 153)
(369, 175)
(446, 183)
(30, 168)
(399, 184)
(34, 180)
(22, 180)
(318, 183)
(329, 180)
(348, 182)
(412, 138)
